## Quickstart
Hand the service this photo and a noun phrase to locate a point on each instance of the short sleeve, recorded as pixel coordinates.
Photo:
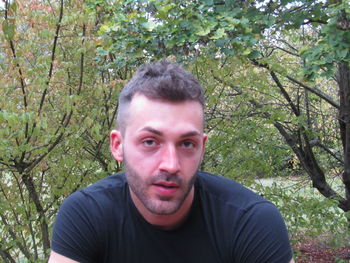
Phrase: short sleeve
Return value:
(262, 236)
(74, 232)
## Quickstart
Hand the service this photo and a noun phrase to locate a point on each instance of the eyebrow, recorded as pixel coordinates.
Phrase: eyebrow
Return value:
(190, 134)
(159, 133)
(152, 130)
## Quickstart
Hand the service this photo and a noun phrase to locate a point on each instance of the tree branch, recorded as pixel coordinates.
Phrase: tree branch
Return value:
(307, 159)
(289, 52)
(34, 196)
(27, 213)
(312, 90)
(319, 21)
(14, 237)
(38, 159)
(326, 149)
(82, 62)
(53, 53)
(6, 256)
(285, 94)
(21, 77)
(316, 92)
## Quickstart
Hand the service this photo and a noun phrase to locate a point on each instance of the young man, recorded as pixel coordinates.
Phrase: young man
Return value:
(162, 209)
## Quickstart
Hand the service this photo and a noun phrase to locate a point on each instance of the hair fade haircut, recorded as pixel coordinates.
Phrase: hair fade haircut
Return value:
(163, 80)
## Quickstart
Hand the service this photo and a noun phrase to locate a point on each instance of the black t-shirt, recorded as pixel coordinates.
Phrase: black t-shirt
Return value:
(227, 223)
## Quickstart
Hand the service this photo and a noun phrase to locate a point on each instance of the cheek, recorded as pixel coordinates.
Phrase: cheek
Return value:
(140, 161)
(190, 163)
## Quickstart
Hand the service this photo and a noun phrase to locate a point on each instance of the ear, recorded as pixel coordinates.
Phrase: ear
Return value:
(116, 145)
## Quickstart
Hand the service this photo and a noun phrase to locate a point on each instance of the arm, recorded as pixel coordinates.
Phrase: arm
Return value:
(74, 235)
(57, 258)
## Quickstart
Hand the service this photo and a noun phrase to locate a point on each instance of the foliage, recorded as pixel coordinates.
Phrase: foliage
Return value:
(157, 29)
(306, 213)
(277, 86)
(297, 44)
(55, 114)
(238, 139)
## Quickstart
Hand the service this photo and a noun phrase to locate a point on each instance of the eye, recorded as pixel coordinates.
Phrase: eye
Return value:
(149, 142)
(188, 144)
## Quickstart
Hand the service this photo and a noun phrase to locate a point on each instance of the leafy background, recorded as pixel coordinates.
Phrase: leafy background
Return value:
(278, 103)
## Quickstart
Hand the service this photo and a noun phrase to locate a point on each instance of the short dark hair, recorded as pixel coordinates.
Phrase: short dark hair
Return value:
(163, 80)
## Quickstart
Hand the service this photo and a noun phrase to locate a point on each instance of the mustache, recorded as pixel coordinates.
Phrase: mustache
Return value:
(168, 177)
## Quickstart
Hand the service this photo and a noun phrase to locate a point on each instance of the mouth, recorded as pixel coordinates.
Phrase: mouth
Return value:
(165, 188)
(166, 184)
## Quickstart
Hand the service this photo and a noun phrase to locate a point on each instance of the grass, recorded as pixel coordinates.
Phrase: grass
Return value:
(308, 214)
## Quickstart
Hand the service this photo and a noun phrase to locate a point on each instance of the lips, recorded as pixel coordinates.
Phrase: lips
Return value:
(166, 184)
(165, 188)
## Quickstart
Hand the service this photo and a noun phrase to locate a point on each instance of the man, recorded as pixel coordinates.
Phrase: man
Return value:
(162, 209)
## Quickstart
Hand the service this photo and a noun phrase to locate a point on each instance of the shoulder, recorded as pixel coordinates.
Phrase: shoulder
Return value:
(103, 191)
(106, 184)
(85, 217)
(245, 219)
(220, 195)
(95, 202)
(227, 192)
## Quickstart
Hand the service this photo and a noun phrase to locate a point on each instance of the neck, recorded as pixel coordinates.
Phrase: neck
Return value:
(166, 222)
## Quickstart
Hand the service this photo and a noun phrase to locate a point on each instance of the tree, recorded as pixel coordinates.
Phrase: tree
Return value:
(272, 69)
(264, 34)
(56, 111)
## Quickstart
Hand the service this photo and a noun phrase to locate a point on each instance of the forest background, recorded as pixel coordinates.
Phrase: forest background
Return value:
(277, 84)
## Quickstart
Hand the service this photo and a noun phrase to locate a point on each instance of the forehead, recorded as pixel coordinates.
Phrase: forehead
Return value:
(164, 115)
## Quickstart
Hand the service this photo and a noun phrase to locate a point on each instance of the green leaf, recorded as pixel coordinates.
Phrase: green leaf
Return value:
(149, 26)
(247, 51)
(203, 31)
(220, 42)
(342, 53)
(303, 50)
(254, 54)
(278, 68)
(228, 51)
(209, 2)
(220, 33)
(8, 29)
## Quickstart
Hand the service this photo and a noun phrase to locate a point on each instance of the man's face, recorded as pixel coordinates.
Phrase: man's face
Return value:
(162, 147)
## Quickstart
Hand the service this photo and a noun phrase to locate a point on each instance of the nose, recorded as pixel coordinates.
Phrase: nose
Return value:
(170, 160)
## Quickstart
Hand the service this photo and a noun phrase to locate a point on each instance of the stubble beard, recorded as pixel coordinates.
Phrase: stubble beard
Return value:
(160, 205)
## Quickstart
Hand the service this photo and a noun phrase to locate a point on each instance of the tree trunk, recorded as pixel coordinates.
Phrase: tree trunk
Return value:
(344, 121)
(34, 195)
(302, 147)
